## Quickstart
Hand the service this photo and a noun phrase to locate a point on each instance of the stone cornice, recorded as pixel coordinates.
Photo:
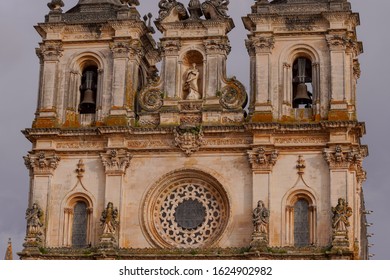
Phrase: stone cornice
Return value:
(324, 126)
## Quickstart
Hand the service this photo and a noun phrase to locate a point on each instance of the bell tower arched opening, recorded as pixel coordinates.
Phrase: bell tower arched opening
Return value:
(302, 83)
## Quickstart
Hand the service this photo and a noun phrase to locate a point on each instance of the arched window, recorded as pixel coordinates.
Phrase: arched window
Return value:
(88, 90)
(302, 83)
(79, 226)
(78, 222)
(300, 220)
(301, 223)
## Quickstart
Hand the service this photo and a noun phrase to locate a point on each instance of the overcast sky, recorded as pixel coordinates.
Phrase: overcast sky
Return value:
(19, 85)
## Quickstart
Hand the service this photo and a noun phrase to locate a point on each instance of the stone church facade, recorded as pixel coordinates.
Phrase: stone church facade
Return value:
(131, 163)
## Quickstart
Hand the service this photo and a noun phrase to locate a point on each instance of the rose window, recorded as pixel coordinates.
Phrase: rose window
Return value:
(188, 213)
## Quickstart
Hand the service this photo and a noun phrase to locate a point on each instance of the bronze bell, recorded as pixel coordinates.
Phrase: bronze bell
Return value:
(88, 105)
(302, 96)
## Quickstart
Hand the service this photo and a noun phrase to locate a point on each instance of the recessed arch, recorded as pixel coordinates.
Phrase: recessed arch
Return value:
(300, 93)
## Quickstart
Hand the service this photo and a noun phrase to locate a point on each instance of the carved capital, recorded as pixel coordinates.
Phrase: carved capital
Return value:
(170, 47)
(262, 159)
(189, 140)
(50, 51)
(264, 44)
(352, 158)
(41, 162)
(126, 49)
(217, 47)
(337, 42)
(116, 161)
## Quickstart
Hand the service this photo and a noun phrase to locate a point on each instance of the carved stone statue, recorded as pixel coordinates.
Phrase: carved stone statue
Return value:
(215, 9)
(165, 5)
(260, 218)
(341, 213)
(191, 83)
(109, 219)
(34, 217)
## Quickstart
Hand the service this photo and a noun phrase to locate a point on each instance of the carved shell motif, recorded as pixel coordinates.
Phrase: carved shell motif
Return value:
(151, 99)
(233, 95)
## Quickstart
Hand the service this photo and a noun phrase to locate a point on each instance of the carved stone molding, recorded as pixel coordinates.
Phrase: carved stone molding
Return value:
(116, 161)
(189, 140)
(41, 162)
(262, 159)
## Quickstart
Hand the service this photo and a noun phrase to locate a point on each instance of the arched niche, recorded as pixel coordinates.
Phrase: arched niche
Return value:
(193, 75)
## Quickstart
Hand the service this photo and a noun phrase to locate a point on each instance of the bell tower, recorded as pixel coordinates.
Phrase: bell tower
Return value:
(93, 59)
(303, 60)
(303, 73)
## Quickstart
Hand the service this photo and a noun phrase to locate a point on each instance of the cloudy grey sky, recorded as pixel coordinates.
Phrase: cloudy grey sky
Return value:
(19, 84)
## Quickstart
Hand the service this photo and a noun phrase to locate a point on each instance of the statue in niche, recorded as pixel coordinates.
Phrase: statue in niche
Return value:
(191, 83)
(341, 213)
(109, 219)
(260, 218)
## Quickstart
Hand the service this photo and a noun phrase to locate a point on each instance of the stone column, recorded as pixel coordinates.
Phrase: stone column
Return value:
(120, 53)
(42, 166)
(49, 53)
(338, 79)
(263, 104)
(345, 167)
(116, 162)
(262, 160)
(170, 68)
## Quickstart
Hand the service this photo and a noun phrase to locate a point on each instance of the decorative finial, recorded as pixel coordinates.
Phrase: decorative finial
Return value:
(301, 165)
(80, 169)
(55, 6)
(148, 22)
(8, 253)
